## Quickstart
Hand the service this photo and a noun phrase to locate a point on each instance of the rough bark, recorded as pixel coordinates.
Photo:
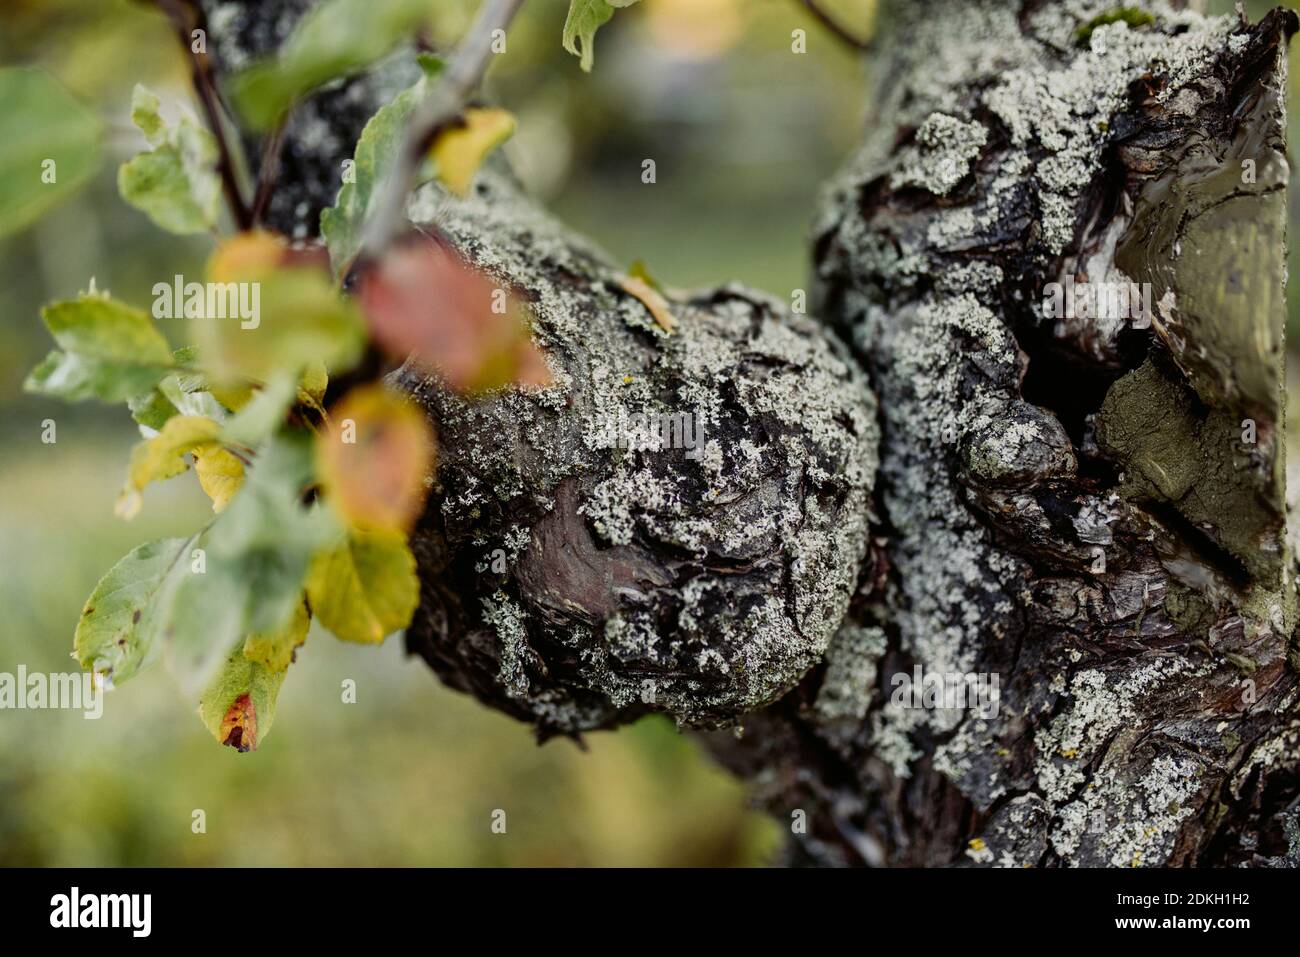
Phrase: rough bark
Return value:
(1068, 505)
(1065, 504)
(580, 571)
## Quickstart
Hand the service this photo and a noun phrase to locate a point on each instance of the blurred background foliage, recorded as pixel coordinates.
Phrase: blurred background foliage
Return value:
(743, 133)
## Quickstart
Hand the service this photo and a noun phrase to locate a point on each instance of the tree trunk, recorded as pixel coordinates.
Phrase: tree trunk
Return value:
(1070, 521)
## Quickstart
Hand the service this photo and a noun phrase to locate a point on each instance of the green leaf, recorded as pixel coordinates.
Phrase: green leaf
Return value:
(118, 634)
(176, 184)
(337, 38)
(49, 146)
(77, 377)
(238, 706)
(189, 393)
(206, 618)
(151, 409)
(311, 387)
(146, 115)
(178, 393)
(257, 553)
(302, 320)
(584, 19)
(109, 351)
(342, 224)
(103, 328)
(264, 413)
(365, 588)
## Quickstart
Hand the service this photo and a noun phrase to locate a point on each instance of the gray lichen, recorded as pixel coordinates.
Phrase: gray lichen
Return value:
(851, 666)
(700, 582)
(1032, 533)
(941, 156)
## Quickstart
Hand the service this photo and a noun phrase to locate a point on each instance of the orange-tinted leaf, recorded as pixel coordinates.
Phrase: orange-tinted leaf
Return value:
(245, 256)
(374, 459)
(257, 252)
(424, 301)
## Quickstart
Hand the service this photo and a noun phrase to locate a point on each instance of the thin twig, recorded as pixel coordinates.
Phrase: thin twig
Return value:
(441, 108)
(833, 25)
(268, 171)
(186, 16)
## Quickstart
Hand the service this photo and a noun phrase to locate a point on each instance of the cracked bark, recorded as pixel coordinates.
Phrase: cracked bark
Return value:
(1067, 504)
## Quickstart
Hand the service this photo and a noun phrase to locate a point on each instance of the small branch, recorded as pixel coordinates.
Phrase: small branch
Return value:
(186, 16)
(267, 173)
(833, 25)
(436, 112)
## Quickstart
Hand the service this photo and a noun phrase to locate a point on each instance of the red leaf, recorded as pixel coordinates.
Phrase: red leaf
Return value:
(422, 300)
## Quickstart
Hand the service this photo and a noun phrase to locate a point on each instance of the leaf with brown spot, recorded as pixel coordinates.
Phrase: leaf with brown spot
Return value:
(239, 723)
(239, 705)
(119, 632)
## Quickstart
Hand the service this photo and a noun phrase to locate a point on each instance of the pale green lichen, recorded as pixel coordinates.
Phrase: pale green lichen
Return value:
(942, 155)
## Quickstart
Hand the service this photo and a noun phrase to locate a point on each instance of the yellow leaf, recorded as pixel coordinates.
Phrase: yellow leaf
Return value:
(366, 588)
(652, 300)
(162, 457)
(459, 151)
(276, 650)
(374, 459)
(220, 473)
(233, 396)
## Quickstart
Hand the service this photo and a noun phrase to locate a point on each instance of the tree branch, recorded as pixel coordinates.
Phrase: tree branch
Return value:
(436, 112)
(1120, 631)
(268, 172)
(186, 16)
(833, 25)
